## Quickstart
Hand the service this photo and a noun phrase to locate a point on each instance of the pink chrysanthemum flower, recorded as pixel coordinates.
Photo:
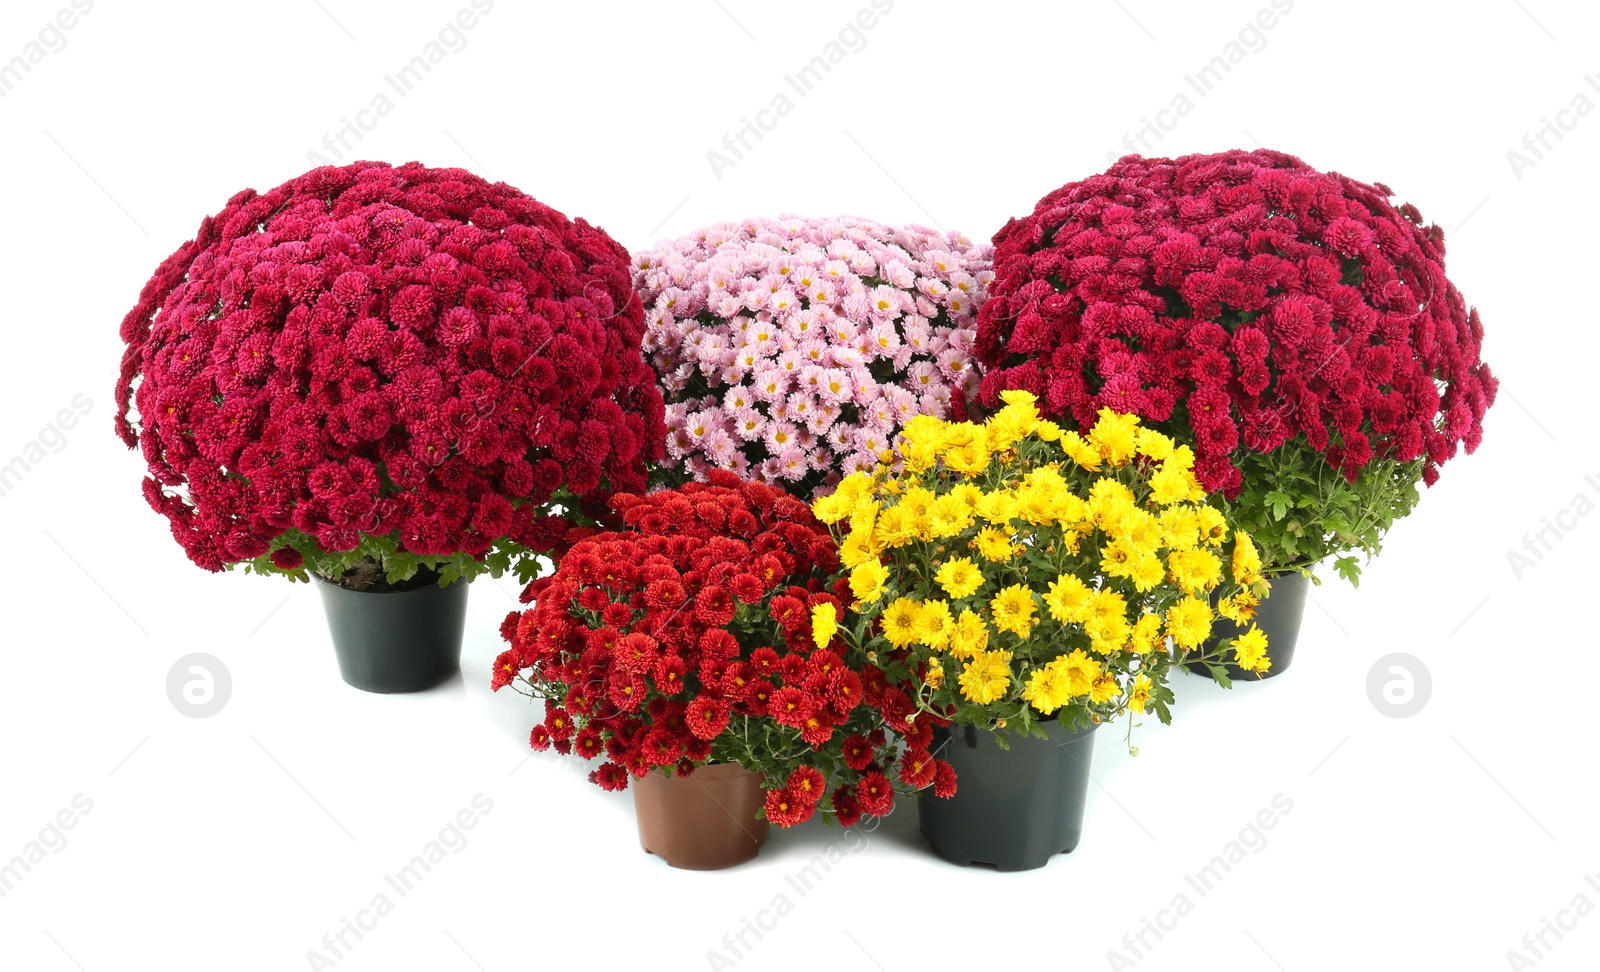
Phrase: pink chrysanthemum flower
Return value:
(810, 341)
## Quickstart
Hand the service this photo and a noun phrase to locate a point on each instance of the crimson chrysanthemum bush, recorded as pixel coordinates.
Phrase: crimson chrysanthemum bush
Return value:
(1293, 326)
(398, 365)
(691, 637)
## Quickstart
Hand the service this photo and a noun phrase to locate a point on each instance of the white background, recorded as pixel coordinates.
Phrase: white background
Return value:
(238, 841)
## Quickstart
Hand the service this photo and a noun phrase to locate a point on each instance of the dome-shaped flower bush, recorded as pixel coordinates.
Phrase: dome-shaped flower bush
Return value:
(407, 366)
(792, 350)
(1281, 320)
(704, 632)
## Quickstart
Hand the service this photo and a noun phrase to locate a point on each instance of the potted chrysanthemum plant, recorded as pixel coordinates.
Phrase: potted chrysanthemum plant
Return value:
(1294, 327)
(391, 380)
(695, 652)
(792, 350)
(1034, 584)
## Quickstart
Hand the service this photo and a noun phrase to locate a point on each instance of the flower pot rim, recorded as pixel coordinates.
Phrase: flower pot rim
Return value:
(410, 590)
(718, 771)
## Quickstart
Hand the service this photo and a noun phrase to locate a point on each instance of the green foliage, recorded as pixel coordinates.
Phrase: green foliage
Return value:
(399, 566)
(1300, 510)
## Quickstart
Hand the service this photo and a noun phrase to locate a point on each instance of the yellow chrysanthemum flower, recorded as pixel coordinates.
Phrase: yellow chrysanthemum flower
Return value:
(867, 579)
(855, 486)
(864, 515)
(901, 620)
(1194, 570)
(1250, 650)
(998, 507)
(1238, 608)
(856, 550)
(935, 674)
(1080, 671)
(1189, 622)
(959, 577)
(1146, 635)
(1067, 598)
(1105, 688)
(1213, 526)
(832, 508)
(1148, 572)
(966, 448)
(1013, 610)
(1109, 500)
(1048, 688)
(1011, 425)
(1142, 530)
(916, 506)
(1080, 451)
(935, 625)
(1246, 559)
(1171, 484)
(986, 678)
(1139, 695)
(1113, 436)
(1180, 527)
(970, 635)
(893, 529)
(948, 516)
(919, 442)
(1036, 505)
(968, 494)
(1153, 444)
(994, 546)
(824, 624)
(1072, 511)
(1118, 559)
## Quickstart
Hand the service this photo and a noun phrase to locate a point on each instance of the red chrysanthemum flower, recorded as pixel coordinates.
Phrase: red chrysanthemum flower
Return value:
(790, 706)
(875, 794)
(786, 809)
(714, 606)
(673, 676)
(917, 768)
(858, 753)
(807, 783)
(609, 776)
(420, 321)
(708, 717)
(1244, 303)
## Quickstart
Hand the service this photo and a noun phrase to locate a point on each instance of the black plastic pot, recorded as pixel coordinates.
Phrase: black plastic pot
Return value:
(1278, 616)
(396, 641)
(1014, 808)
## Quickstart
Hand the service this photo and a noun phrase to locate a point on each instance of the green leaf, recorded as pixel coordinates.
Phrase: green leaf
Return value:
(1280, 503)
(1347, 568)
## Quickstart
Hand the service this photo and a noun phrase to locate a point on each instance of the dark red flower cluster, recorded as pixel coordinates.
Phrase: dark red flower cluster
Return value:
(381, 351)
(687, 639)
(1244, 297)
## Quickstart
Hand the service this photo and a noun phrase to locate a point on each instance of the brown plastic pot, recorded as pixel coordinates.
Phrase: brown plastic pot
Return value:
(703, 821)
